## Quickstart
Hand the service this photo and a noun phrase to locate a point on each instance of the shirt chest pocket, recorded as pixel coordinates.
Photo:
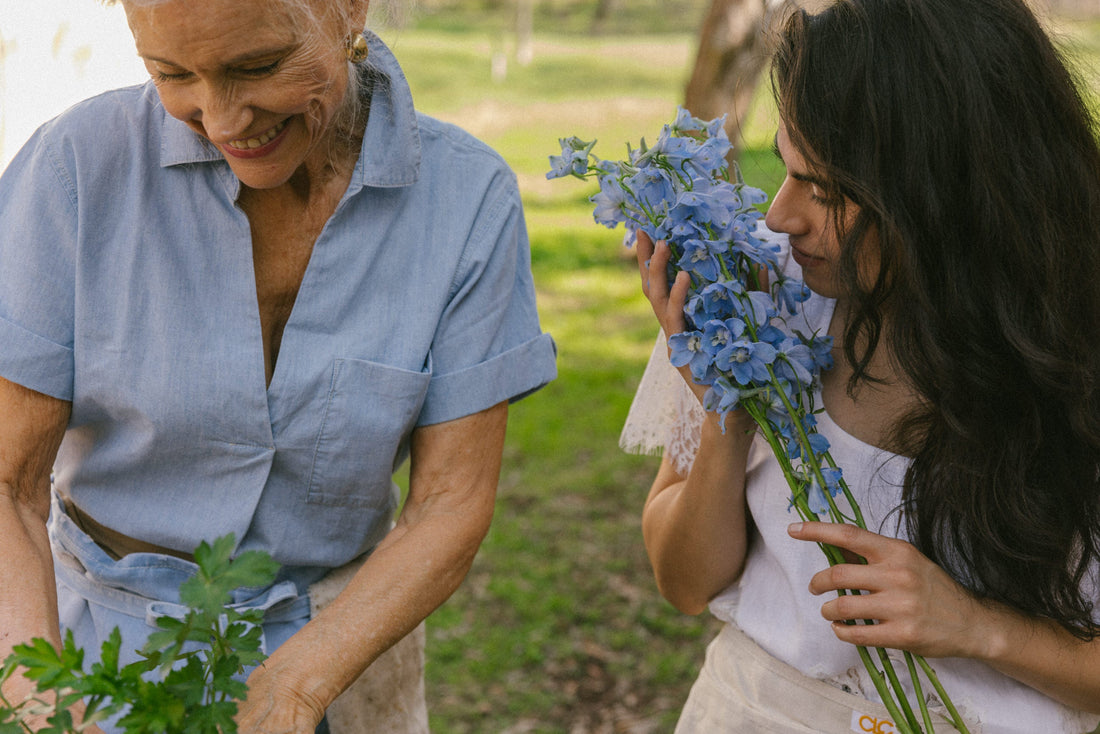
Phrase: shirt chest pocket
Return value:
(370, 411)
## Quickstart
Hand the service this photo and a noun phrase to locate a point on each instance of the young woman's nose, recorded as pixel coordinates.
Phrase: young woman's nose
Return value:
(783, 214)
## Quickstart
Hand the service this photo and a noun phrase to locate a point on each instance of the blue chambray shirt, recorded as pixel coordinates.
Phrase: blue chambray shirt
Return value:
(127, 287)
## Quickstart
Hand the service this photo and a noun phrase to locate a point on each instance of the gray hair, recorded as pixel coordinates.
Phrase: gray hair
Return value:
(382, 13)
(361, 79)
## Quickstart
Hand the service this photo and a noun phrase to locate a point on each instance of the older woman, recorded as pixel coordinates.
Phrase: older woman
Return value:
(234, 300)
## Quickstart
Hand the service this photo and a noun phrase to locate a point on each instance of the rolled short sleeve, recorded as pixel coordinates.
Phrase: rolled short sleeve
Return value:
(488, 346)
(38, 208)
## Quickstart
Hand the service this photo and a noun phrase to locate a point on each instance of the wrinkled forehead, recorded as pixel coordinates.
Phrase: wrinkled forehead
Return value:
(207, 25)
(307, 15)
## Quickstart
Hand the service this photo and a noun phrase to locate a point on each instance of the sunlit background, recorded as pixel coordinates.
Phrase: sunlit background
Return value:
(56, 53)
(559, 626)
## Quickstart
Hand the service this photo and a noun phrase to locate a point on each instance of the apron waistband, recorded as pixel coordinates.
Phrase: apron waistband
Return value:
(115, 544)
(145, 585)
(743, 688)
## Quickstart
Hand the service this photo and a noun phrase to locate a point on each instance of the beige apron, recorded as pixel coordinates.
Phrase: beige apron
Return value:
(744, 690)
(389, 695)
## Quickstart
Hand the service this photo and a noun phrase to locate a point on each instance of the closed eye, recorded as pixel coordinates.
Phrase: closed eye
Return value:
(257, 72)
(162, 76)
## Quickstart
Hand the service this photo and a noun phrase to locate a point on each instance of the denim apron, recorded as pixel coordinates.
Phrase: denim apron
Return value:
(96, 593)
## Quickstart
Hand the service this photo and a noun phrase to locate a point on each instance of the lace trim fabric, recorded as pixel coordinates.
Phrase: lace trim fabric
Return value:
(665, 415)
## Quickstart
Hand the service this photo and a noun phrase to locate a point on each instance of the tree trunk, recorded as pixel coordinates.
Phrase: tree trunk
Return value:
(730, 59)
(604, 9)
(525, 31)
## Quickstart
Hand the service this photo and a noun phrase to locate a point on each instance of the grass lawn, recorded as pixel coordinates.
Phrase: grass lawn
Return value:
(559, 626)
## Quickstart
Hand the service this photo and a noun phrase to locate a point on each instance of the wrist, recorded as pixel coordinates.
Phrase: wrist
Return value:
(1001, 632)
(276, 680)
(738, 428)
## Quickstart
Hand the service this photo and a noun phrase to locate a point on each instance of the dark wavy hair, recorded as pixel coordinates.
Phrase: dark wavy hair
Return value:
(956, 128)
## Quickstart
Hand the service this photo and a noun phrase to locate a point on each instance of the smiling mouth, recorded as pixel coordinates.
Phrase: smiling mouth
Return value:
(264, 139)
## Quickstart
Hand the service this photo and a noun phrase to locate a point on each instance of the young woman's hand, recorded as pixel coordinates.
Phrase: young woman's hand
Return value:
(667, 299)
(916, 604)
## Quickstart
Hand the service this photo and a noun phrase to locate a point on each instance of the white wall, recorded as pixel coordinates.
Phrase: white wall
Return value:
(54, 53)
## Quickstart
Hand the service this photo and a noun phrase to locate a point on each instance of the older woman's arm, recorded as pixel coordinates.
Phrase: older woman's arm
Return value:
(452, 489)
(31, 428)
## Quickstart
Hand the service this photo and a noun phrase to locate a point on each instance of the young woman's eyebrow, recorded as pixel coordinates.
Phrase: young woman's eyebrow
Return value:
(804, 177)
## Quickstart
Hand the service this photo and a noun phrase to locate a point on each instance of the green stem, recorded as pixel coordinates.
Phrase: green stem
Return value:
(956, 720)
(895, 683)
(925, 715)
(847, 494)
(883, 692)
(834, 555)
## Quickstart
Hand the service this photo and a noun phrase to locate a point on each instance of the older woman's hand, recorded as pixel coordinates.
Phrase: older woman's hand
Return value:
(278, 702)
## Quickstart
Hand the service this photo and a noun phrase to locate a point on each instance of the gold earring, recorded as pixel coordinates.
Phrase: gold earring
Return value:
(357, 49)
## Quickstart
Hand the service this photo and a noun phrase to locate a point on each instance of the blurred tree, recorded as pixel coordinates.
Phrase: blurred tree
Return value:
(732, 53)
(604, 9)
(525, 31)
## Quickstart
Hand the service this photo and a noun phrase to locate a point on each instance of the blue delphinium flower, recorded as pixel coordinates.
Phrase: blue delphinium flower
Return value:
(719, 334)
(700, 257)
(815, 495)
(821, 347)
(722, 397)
(573, 160)
(716, 128)
(789, 292)
(711, 154)
(772, 398)
(685, 123)
(653, 188)
(717, 299)
(746, 361)
(757, 307)
(670, 149)
(796, 362)
(687, 348)
(698, 213)
(818, 443)
(611, 202)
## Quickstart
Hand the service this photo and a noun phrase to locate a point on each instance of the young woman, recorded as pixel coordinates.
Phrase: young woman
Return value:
(942, 201)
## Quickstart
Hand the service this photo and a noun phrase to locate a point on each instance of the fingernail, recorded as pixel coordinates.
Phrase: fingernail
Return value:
(794, 528)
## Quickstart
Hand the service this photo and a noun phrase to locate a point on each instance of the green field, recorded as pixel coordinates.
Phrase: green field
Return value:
(559, 626)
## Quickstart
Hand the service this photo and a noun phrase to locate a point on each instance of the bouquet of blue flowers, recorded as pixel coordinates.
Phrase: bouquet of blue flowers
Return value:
(737, 342)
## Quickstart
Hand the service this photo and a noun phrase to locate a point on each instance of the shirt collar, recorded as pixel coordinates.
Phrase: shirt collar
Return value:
(390, 156)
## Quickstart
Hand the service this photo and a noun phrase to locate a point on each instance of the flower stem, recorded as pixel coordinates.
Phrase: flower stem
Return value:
(895, 683)
(884, 693)
(925, 716)
(956, 720)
